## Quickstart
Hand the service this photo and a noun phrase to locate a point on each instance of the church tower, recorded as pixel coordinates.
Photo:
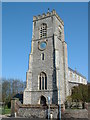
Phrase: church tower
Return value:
(48, 66)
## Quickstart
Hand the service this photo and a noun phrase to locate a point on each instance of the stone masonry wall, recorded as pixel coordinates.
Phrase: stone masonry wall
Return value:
(37, 111)
(76, 113)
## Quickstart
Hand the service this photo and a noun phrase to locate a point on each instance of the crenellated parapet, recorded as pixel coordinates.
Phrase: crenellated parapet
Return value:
(48, 14)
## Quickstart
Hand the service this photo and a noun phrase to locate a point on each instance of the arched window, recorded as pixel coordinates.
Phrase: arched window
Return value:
(71, 75)
(78, 78)
(60, 34)
(42, 81)
(43, 30)
(42, 56)
(60, 31)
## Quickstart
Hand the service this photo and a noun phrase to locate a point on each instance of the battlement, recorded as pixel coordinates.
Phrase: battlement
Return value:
(49, 14)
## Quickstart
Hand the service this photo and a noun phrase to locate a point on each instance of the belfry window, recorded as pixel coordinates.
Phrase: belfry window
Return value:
(42, 81)
(43, 30)
(60, 32)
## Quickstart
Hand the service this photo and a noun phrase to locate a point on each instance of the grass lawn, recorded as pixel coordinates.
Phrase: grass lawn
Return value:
(5, 111)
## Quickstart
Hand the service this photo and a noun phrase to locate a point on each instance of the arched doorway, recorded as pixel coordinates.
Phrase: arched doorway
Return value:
(43, 100)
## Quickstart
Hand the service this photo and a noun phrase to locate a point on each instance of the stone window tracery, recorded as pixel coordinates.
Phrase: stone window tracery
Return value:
(60, 31)
(42, 81)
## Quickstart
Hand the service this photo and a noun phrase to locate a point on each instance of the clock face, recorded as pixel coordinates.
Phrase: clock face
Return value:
(42, 45)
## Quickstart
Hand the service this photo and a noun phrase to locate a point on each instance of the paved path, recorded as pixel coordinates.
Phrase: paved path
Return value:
(3, 116)
(40, 119)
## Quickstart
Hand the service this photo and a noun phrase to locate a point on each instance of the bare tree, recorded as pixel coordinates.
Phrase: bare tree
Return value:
(10, 87)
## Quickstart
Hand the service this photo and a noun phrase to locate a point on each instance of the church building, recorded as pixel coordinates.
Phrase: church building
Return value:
(48, 74)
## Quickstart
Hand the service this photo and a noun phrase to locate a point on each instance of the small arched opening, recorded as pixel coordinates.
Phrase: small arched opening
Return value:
(43, 100)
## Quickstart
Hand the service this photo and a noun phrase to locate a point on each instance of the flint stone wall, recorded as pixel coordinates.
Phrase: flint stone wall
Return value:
(77, 113)
(37, 111)
(42, 112)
